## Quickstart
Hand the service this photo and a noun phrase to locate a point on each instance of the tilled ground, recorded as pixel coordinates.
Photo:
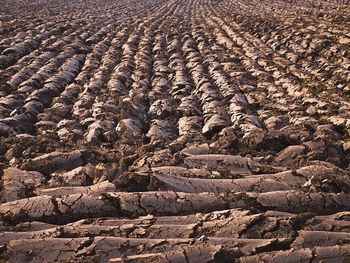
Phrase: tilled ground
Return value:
(174, 131)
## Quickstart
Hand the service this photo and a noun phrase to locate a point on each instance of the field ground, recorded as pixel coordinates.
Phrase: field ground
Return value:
(174, 131)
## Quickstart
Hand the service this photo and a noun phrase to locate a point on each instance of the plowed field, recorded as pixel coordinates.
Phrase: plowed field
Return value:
(174, 131)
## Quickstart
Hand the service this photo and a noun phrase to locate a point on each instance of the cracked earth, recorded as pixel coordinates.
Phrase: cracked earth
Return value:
(174, 131)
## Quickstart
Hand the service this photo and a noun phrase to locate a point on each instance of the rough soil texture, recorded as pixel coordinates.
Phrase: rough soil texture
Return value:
(174, 131)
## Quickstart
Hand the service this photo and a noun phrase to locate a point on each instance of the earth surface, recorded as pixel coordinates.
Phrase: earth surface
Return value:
(174, 131)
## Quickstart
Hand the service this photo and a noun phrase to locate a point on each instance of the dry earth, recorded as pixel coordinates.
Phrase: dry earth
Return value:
(174, 131)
